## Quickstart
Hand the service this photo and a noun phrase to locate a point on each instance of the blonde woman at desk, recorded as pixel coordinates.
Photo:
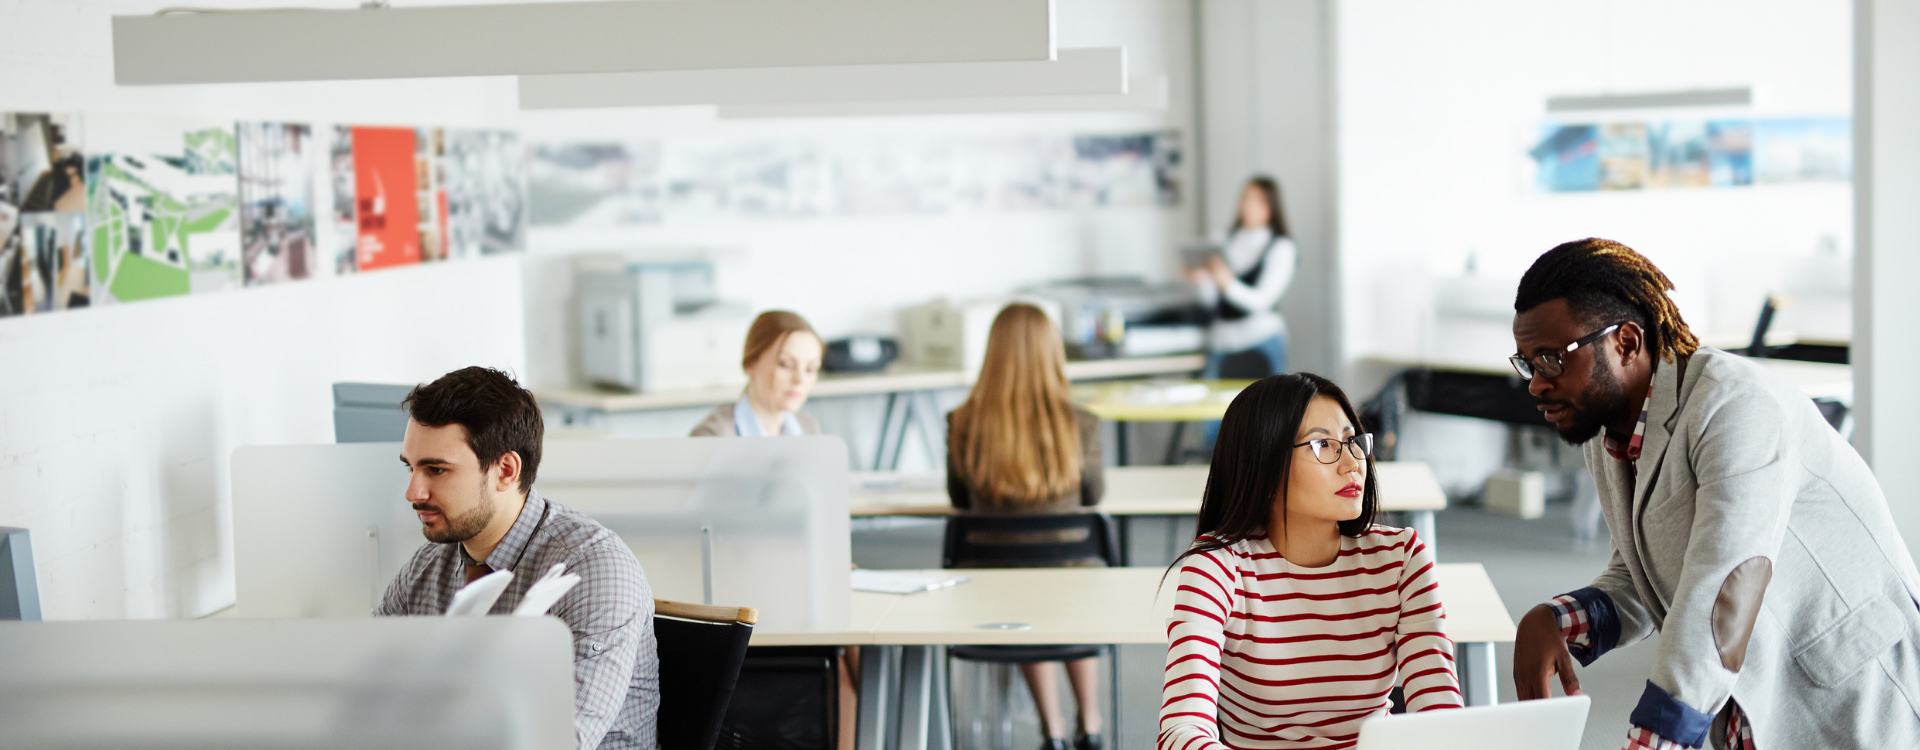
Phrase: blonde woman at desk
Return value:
(782, 361)
(1295, 615)
(1019, 445)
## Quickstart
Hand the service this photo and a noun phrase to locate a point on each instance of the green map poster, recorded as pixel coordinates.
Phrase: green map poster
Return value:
(165, 224)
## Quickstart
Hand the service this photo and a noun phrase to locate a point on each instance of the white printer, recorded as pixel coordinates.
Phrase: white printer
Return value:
(650, 325)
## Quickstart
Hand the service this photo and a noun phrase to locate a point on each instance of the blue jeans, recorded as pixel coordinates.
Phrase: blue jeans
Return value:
(1276, 350)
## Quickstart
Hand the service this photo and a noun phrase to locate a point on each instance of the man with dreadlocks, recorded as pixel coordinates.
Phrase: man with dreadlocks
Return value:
(1745, 530)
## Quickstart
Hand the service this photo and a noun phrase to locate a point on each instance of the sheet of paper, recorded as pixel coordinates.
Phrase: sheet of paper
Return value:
(894, 582)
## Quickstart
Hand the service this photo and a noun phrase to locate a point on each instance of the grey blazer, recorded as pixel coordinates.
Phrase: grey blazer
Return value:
(1759, 545)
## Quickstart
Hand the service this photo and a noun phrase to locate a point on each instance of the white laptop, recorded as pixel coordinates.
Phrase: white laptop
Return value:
(1547, 724)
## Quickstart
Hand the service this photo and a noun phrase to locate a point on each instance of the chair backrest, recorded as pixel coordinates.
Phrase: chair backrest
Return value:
(19, 589)
(701, 649)
(1030, 541)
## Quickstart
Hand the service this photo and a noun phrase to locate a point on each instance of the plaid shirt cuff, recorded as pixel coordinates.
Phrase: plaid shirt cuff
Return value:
(1642, 738)
(1588, 622)
(1573, 621)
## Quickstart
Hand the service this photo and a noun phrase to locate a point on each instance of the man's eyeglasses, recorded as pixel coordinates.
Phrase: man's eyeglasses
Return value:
(1552, 364)
(1327, 450)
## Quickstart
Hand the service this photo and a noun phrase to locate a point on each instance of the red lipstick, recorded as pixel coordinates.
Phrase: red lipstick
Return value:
(1351, 490)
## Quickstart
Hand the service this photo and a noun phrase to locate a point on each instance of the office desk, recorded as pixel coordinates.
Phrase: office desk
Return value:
(909, 390)
(1178, 401)
(1407, 486)
(904, 673)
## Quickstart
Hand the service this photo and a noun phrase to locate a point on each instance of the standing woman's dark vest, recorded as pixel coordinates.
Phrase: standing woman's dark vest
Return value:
(1224, 310)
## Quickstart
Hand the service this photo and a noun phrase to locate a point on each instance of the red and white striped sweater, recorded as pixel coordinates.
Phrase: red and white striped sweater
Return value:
(1263, 653)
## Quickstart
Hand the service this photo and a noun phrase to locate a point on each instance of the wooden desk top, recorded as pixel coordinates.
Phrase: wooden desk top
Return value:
(897, 378)
(1089, 605)
(1133, 491)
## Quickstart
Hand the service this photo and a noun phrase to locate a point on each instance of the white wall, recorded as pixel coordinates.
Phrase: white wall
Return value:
(116, 424)
(1886, 343)
(1437, 104)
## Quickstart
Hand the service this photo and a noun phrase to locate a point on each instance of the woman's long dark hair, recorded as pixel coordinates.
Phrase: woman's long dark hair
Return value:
(1253, 458)
(1276, 220)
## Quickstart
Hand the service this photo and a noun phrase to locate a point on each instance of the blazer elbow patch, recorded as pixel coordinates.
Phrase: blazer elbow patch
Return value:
(1736, 609)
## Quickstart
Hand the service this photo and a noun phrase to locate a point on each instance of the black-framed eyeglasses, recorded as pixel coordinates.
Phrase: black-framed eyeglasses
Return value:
(1551, 364)
(1327, 450)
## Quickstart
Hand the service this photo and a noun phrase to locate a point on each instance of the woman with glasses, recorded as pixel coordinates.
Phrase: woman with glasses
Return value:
(1295, 615)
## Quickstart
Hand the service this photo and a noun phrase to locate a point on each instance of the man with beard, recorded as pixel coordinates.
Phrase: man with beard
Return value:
(1745, 530)
(472, 447)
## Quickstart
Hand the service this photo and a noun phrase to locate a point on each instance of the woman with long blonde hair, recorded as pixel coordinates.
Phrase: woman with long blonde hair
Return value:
(1019, 445)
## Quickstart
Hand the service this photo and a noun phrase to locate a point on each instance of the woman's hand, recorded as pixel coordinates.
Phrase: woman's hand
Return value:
(1194, 275)
(1539, 654)
(1218, 269)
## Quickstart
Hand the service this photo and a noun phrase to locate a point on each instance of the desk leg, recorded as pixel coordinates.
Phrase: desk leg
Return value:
(1173, 444)
(1479, 674)
(1422, 521)
(923, 704)
(924, 411)
(885, 439)
(1120, 443)
(879, 703)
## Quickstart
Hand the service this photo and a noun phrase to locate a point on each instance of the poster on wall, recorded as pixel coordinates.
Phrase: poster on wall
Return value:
(276, 202)
(1690, 153)
(162, 209)
(472, 192)
(385, 203)
(483, 176)
(614, 183)
(43, 264)
(1803, 150)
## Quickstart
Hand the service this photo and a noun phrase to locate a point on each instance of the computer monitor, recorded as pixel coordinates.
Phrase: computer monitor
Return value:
(392, 682)
(369, 412)
(320, 530)
(19, 591)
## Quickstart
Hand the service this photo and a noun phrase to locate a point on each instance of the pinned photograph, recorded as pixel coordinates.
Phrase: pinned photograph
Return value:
(162, 209)
(276, 202)
(43, 192)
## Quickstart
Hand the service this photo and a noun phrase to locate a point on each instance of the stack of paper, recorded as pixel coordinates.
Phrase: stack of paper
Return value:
(897, 582)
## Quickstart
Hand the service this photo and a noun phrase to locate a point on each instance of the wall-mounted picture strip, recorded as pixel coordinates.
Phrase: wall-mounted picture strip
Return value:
(1690, 153)
(615, 183)
(162, 213)
(386, 208)
(43, 266)
(276, 202)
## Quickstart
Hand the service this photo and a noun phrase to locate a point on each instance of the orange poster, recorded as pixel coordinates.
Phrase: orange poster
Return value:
(385, 198)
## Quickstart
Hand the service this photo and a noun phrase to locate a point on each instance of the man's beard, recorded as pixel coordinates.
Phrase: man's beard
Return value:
(463, 527)
(1605, 399)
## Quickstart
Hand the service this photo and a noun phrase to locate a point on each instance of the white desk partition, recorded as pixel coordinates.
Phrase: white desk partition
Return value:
(320, 530)
(774, 510)
(412, 682)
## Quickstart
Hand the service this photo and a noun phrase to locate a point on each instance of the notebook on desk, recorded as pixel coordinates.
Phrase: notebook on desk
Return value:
(899, 582)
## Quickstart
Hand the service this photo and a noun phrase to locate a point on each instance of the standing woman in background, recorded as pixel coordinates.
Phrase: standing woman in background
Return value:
(782, 361)
(1018, 445)
(1242, 285)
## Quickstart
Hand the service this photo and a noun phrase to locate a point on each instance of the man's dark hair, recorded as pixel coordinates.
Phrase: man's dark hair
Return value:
(1605, 282)
(498, 414)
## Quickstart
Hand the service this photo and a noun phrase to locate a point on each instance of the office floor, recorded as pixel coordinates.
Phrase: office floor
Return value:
(1529, 561)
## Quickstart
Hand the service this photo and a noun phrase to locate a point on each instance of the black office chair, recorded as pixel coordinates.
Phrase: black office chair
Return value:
(1035, 541)
(701, 649)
